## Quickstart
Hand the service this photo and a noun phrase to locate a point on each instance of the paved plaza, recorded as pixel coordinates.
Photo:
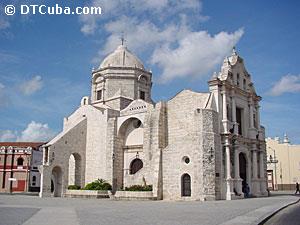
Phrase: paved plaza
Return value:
(32, 210)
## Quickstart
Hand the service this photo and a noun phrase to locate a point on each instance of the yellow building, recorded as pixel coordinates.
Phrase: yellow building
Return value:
(283, 164)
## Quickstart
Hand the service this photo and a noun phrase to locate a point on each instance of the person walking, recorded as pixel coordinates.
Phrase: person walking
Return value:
(297, 188)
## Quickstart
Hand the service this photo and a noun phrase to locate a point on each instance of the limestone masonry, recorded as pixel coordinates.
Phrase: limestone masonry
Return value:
(198, 146)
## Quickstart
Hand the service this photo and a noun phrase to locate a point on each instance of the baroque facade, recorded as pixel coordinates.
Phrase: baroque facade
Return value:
(198, 146)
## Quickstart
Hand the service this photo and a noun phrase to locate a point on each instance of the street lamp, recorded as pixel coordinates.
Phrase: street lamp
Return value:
(274, 161)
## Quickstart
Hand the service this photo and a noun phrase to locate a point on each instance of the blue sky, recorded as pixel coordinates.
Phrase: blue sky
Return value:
(46, 60)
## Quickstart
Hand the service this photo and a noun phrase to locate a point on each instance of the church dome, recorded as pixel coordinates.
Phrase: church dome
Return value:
(121, 57)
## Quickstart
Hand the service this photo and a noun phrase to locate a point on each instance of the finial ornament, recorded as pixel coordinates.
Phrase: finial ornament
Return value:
(122, 38)
(234, 51)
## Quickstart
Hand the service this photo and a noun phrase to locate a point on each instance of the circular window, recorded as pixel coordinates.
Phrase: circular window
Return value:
(137, 123)
(186, 159)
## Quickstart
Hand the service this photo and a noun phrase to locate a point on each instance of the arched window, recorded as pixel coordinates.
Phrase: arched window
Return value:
(20, 161)
(135, 166)
(186, 185)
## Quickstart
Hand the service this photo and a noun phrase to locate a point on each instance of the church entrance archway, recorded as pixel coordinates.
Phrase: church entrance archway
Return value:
(56, 180)
(129, 145)
(186, 185)
(74, 177)
(243, 167)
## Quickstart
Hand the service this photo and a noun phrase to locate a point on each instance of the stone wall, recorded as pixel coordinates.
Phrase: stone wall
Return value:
(185, 139)
(73, 141)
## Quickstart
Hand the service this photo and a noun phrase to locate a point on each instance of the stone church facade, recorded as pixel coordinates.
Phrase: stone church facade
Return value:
(198, 146)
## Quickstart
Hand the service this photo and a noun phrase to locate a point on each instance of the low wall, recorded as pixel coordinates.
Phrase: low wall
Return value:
(87, 194)
(134, 195)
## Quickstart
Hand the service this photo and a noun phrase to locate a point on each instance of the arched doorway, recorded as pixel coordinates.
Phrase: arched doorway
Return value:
(56, 180)
(243, 167)
(129, 145)
(74, 170)
(135, 166)
(185, 185)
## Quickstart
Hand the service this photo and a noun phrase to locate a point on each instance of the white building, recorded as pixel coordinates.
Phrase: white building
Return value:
(198, 146)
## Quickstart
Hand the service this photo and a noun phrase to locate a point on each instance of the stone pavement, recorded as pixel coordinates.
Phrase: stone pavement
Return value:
(31, 210)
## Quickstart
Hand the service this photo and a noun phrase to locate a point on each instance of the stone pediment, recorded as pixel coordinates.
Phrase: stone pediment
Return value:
(137, 106)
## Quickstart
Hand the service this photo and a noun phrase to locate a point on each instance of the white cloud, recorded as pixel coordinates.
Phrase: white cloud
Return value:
(36, 132)
(287, 84)
(33, 132)
(112, 9)
(7, 135)
(31, 86)
(90, 22)
(197, 54)
(139, 36)
(164, 32)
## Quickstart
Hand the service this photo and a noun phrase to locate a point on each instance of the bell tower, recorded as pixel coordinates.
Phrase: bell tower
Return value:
(120, 79)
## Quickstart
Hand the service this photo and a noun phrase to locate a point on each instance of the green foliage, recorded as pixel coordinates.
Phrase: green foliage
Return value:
(74, 187)
(139, 188)
(99, 184)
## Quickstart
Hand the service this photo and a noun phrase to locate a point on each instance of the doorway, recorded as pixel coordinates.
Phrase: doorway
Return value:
(185, 185)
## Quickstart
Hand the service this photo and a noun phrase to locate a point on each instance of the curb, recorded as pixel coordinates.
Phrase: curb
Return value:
(277, 211)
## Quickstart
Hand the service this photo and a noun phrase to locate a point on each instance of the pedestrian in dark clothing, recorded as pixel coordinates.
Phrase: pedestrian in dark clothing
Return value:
(297, 188)
(246, 190)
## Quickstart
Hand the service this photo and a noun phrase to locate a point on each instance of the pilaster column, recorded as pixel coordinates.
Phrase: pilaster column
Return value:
(258, 117)
(255, 183)
(229, 180)
(251, 115)
(225, 120)
(228, 164)
(261, 165)
(233, 106)
(236, 164)
(254, 165)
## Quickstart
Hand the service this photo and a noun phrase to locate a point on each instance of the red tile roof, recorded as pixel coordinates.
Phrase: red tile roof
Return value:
(34, 145)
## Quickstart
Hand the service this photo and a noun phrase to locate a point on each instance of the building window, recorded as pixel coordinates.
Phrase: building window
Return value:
(135, 166)
(238, 79)
(186, 159)
(254, 120)
(99, 94)
(185, 185)
(142, 95)
(33, 180)
(20, 161)
(239, 119)
(244, 84)
(46, 155)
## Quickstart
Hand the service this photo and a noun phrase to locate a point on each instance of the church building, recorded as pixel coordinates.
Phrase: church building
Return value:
(195, 146)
